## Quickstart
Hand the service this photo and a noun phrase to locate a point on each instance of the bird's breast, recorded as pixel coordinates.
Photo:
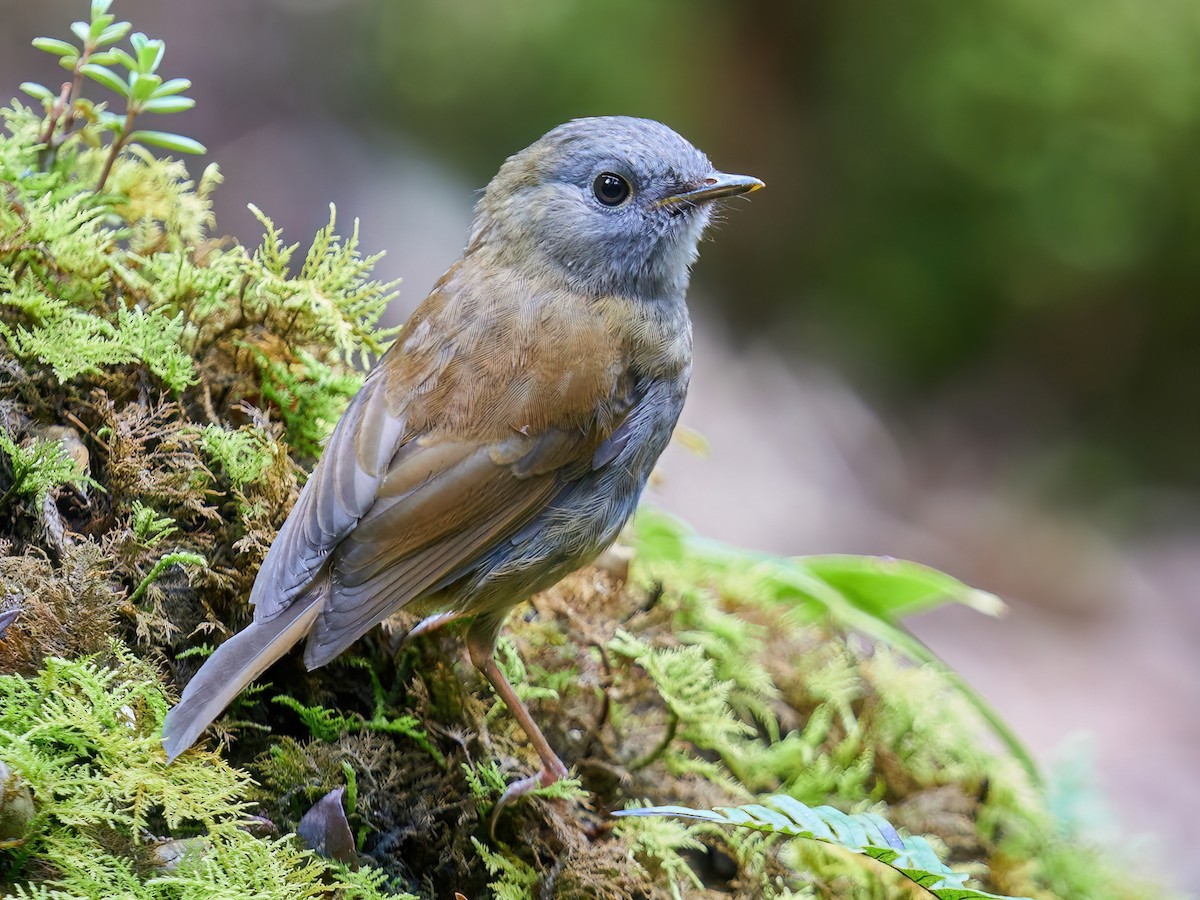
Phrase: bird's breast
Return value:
(490, 354)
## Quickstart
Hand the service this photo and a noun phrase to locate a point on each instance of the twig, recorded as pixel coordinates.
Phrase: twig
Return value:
(118, 142)
(57, 109)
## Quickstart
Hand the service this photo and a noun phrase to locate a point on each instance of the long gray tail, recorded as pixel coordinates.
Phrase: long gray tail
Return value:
(236, 663)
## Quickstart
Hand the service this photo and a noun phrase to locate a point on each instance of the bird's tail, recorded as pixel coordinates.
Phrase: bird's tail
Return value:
(234, 665)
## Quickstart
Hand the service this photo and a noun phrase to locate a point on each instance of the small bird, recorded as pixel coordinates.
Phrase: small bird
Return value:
(504, 440)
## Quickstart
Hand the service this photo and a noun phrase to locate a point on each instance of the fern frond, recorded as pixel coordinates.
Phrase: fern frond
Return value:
(322, 723)
(54, 331)
(148, 526)
(157, 340)
(244, 454)
(235, 866)
(85, 736)
(310, 394)
(332, 299)
(658, 844)
(686, 680)
(862, 833)
(515, 880)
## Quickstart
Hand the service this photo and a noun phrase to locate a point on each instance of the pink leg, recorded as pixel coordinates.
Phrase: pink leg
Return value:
(552, 767)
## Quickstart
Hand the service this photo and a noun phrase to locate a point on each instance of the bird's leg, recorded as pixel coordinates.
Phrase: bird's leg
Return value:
(552, 767)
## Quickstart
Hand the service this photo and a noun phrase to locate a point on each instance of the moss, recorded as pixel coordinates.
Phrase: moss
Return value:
(83, 738)
(66, 607)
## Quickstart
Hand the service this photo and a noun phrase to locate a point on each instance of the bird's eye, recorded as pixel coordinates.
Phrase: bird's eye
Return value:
(610, 189)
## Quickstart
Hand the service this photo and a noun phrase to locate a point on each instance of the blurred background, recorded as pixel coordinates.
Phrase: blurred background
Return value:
(959, 325)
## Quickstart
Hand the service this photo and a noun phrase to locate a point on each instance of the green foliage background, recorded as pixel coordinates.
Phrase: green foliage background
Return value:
(984, 206)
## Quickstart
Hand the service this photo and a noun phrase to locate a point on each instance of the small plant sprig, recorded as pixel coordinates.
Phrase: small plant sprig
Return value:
(142, 88)
(67, 106)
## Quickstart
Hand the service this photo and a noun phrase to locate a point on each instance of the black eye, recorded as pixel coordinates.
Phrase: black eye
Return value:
(610, 189)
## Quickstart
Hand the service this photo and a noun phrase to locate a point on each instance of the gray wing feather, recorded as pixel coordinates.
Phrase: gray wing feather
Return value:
(390, 559)
(234, 665)
(339, 492)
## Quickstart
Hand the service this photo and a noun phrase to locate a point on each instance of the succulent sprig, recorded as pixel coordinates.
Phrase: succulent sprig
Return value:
(140, 85)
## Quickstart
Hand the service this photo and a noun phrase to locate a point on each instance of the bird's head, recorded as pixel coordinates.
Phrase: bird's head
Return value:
(607, 205)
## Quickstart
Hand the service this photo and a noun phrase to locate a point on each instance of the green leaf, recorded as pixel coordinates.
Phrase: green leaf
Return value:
(113, 33)
(168, 141)
(885, 586)
(100, 7)
(81, 30)
(99, 23)
(110, 121)
(168, 104)
(158, 48)
(123, 57)
(55, 46)
(38, 91)
(142, 86)
(172, 86)
(864, 833)
(106, 77)
(149, 52)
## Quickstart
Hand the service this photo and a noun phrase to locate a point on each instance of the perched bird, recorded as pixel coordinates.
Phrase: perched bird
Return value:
(505, 438)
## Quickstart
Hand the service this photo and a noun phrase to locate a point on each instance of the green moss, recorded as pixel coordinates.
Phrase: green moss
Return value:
(84, 737)
(37, 469)
(244, 455)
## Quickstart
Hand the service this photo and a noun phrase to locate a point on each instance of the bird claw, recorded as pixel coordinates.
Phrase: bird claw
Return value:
(430, 623)
(519, 788)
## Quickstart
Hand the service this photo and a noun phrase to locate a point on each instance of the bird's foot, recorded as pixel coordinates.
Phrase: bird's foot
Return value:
(522, 786)
(400, 639)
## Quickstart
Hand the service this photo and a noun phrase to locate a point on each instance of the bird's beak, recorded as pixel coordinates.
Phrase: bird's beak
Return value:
(715, 186)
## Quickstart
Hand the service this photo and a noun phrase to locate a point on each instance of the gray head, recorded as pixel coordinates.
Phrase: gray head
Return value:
(609, 205)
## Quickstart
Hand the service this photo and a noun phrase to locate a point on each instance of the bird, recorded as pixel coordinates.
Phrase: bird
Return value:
(505, 438)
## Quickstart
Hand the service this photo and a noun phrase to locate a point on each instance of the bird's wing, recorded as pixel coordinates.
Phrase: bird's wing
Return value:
(453, 445)
(441, 507)
(338, 493)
